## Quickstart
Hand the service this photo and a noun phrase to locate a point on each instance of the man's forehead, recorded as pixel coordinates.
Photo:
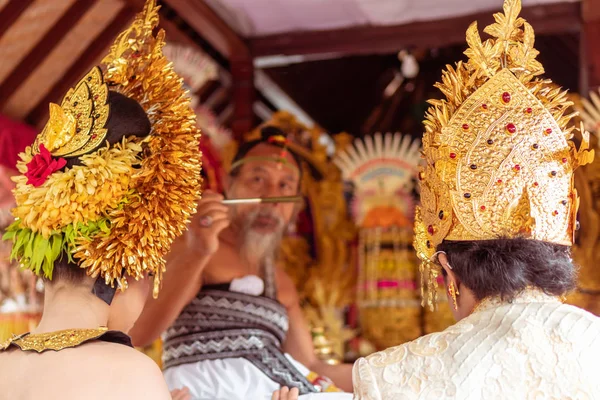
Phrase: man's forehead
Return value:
(268, 155)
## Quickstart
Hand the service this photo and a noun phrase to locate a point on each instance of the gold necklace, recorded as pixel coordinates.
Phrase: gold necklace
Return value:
(55, 341)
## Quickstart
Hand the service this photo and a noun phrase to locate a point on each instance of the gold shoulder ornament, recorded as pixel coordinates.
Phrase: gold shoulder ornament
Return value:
(499, 159)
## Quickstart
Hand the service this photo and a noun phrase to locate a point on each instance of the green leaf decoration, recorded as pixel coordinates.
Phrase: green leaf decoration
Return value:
(38, 254)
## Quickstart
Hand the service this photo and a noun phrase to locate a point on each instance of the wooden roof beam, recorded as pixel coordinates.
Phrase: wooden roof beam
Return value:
(11, 12)
(211, 27)
(546, 19)
(81, 66)
(43, 48)
(590, 42)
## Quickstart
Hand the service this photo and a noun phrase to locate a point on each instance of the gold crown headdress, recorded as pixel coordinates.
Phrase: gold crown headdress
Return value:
(118, 212)
(498, 150)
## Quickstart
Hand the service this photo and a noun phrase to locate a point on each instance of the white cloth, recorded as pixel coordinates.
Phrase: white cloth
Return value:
(232, 379)
(533, 348)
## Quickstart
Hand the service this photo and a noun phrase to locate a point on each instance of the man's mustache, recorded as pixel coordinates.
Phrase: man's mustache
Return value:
(254, 215)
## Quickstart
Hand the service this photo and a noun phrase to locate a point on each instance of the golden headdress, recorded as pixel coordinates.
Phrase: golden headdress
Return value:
(118, 211)
(498, 150)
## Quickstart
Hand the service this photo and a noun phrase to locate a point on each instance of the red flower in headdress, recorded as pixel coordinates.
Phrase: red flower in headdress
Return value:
(42, 166)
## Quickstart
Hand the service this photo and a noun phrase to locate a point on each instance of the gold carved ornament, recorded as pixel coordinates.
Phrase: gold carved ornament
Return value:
(77, 126)
(498, 154)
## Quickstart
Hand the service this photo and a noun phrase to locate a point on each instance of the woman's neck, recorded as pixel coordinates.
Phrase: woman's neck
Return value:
(71, 307)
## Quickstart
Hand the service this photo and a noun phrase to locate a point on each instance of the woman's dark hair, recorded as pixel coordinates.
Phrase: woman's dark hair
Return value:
(505, 267)
(66, 271)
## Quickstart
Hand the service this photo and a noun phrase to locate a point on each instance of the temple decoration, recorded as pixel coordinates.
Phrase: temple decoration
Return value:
(195, 67)
(587, 181)
(381, 171)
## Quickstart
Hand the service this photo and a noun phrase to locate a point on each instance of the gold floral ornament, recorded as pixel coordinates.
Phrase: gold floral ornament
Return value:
(118, 212)
(499, 159)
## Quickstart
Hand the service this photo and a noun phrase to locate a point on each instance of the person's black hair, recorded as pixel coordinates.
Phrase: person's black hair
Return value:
(66, 271)
(506, 267)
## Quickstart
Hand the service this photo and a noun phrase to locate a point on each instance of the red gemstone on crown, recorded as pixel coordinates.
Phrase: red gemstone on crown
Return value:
(484, 106)
(499, 181)
(482, 208)
(548, 131)
(506, 97)
(430, 229)
(564, 160)
(94, 136)
(511, 128)
(453, 155)
(465, 127)
(517, 167)
(555, 213)
(528, 110)
(79, 115)
(536, 184)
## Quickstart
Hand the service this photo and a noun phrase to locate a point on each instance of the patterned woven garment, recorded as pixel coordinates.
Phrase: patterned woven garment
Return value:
(224, 324)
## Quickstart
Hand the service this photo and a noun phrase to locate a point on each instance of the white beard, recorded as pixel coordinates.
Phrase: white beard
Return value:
(256, 247)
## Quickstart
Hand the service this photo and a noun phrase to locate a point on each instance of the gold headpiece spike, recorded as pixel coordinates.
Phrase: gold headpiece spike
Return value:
(60, 128)
(499, 160)
(77, 126)
(584, 155)
(131, 44)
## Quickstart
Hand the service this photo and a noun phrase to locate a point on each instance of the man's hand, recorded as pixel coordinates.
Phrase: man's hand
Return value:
(286, 394)
(181, 394)
(210, 219)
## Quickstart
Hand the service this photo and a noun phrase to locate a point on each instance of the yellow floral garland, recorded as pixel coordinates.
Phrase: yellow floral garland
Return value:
(80, 194)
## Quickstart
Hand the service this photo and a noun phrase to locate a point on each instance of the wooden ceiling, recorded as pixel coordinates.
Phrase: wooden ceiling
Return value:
(46, 45)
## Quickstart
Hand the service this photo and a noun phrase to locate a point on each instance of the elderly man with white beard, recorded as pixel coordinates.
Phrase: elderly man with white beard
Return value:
(234, 327)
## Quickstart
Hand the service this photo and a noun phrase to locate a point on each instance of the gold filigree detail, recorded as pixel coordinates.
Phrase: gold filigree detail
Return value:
(498, 149)
(55, 341)
(77, 126)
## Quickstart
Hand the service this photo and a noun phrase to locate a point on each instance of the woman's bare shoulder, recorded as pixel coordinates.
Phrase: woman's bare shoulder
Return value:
(101, 370)
(132, 373)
